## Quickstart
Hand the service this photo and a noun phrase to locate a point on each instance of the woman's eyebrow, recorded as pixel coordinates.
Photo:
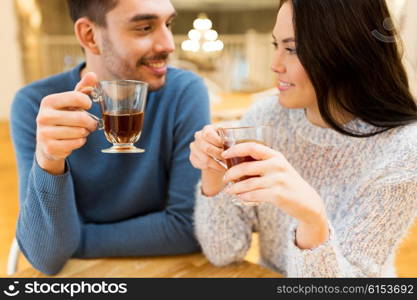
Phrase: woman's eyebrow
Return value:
(284, 41)
(288, 40)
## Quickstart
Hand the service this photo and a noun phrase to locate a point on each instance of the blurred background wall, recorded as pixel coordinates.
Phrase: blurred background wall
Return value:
(11, 77)
(40, 42)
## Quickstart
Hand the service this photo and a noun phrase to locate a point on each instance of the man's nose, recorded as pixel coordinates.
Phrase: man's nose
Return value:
(165, 41)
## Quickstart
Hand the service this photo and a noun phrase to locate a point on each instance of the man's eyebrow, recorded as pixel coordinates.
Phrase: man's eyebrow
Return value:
(146, 17)
(285, 41)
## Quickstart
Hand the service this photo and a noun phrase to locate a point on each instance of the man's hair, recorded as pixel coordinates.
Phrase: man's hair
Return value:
(94, 10)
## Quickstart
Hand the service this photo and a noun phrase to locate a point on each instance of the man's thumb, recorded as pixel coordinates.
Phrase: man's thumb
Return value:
(87, 83)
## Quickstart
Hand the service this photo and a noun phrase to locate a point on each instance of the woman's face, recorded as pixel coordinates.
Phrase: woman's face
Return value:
(296, 90)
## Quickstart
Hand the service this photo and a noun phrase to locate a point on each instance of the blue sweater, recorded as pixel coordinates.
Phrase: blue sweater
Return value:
(111, 204)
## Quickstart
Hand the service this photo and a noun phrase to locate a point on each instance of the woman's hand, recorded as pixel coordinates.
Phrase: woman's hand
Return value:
(205, 155)
(206, 149)
(279, 183)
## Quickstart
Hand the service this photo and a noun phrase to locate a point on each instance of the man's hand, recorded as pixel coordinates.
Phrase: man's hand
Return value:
(63, 125)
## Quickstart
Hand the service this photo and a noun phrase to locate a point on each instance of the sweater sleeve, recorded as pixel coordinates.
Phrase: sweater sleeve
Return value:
(48, 228)
(223, 229)
(169, 231)
(363, 239)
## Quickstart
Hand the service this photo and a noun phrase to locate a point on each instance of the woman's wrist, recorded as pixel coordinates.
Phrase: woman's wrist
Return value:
(312, 235)
(211, 183)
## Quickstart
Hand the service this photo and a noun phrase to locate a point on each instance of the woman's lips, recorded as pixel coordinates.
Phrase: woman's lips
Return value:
(284, 86)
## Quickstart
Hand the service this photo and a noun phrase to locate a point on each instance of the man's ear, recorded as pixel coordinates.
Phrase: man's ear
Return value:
(86, 32)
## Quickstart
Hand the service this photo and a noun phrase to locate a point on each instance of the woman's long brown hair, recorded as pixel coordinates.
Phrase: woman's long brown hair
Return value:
(352, 58)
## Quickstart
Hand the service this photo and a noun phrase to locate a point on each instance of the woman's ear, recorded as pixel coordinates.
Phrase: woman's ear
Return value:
(86, 32)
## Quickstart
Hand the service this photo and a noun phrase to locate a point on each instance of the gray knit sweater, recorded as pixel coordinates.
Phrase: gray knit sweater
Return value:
(368, 185)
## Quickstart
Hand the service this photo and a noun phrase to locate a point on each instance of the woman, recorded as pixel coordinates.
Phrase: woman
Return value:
(338, 191)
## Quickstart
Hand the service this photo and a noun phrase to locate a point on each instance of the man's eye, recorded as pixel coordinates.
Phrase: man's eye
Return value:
(144, 28)
(275, 44)
(170, 24)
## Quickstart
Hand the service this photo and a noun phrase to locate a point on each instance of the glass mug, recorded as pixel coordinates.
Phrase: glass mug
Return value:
(237, 135)
(122, 105)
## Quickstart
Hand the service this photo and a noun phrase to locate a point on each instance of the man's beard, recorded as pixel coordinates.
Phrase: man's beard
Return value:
(118, 68)
(114, 64)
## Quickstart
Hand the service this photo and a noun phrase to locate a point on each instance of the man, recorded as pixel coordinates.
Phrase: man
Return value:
(78, 202)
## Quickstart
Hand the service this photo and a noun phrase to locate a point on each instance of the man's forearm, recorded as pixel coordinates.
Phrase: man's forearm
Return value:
(48, 228)
(159, 233)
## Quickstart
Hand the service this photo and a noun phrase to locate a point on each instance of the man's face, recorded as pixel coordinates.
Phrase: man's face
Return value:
(137, 41)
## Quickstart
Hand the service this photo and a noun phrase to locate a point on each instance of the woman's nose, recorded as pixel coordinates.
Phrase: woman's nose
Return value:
(277, 64)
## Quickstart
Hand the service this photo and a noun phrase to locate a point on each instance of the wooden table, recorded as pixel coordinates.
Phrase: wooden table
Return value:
(192, 265)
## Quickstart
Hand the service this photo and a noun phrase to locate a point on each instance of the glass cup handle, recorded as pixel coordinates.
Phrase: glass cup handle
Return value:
(95, 97)
(100, 123)
(219, 131)
(220, 162)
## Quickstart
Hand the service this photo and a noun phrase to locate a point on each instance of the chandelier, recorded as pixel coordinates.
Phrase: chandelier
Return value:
(202, 38)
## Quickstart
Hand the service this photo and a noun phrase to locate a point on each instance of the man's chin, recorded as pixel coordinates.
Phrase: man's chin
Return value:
(154, 82)
(155, 85)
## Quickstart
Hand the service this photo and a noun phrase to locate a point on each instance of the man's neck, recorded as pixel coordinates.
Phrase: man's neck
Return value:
(83, 71)
(101, 73)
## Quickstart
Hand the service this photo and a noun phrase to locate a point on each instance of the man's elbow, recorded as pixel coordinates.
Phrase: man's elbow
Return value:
(188, 244)
(192, 247)
(41, 260)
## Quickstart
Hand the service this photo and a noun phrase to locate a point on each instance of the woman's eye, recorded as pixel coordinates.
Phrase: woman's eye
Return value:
(275, 44)
(291, 50)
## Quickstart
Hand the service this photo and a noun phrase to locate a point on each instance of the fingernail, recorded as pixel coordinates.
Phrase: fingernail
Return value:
(87, 89)
(225, 153)
(242, 197)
